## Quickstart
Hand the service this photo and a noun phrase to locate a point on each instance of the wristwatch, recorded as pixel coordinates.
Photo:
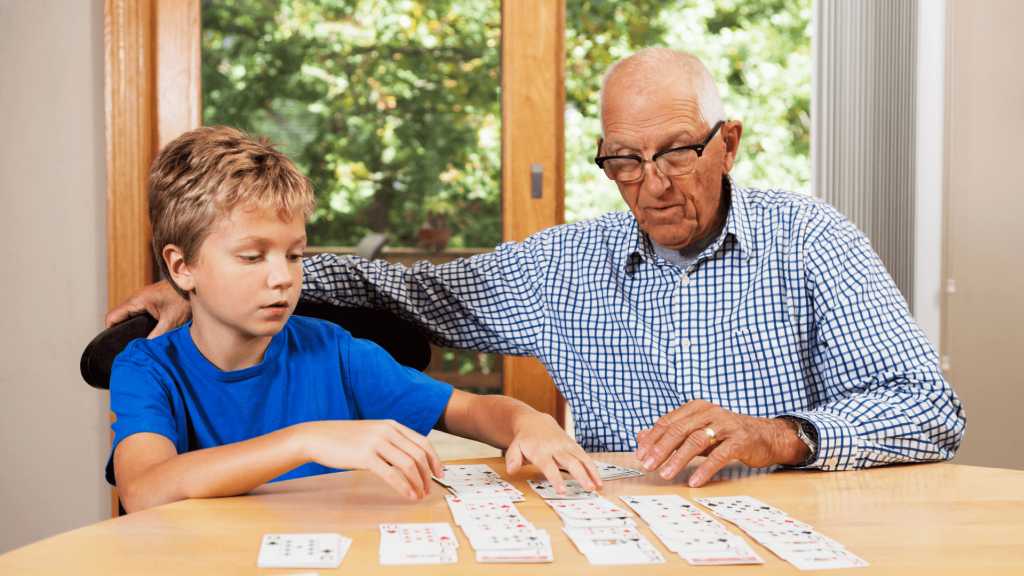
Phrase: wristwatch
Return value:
(807, 434)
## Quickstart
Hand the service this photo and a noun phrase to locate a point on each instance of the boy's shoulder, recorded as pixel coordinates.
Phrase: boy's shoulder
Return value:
(305, 329)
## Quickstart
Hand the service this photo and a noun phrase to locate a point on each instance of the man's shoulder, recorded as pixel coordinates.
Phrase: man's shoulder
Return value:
(792, 213)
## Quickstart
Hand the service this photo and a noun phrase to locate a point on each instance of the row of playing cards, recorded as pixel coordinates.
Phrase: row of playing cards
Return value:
(498, 532)
(790, 539)
(690, 532)
(424, 543)
(477, 480)
(325, 550)
(603, 532)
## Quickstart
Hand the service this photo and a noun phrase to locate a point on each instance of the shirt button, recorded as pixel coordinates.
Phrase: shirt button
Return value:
(684, 343)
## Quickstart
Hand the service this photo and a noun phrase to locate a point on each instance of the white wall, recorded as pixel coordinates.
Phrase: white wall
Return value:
(53, 428)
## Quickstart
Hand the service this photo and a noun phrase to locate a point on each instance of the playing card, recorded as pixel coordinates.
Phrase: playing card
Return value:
(573, 490)
(822, 558)
(313, 550)
(615, 472)
(538, 550)
(424, 543)
(614, 546)
(589, 508)
(733, 507)
(477, 481)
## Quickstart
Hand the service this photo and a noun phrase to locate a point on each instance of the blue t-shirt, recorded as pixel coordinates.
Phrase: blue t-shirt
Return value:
(312, 370)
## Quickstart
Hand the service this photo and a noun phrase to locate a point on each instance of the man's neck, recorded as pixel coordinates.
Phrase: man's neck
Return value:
(225, 347)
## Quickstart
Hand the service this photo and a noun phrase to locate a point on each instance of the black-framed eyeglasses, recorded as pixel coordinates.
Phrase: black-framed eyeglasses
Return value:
(678, 161)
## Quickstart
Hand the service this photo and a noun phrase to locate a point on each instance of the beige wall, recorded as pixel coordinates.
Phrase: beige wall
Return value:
(53, 431)
(983, 318)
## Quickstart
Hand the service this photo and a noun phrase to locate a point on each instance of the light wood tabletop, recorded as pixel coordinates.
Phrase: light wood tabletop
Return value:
(919, 519)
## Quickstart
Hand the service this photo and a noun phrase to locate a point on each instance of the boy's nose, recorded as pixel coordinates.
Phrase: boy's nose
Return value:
(279, 276)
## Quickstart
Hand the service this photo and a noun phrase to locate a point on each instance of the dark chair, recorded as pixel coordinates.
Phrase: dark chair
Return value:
(402, 339)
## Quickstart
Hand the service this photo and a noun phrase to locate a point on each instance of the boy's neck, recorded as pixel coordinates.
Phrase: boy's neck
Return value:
(225, 347)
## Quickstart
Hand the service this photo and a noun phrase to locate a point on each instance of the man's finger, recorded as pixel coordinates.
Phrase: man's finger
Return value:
(719, 458)
(671, 439)
(690, 410)
(122, 313)
(162, 326)
(695, 444)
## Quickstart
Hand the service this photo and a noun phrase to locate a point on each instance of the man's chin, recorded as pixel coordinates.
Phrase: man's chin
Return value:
(671, 240)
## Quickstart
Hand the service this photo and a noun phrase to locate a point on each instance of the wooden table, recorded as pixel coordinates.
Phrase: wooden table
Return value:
(920, 519)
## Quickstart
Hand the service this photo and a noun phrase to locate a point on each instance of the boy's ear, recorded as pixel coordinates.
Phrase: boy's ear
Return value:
(179, 270)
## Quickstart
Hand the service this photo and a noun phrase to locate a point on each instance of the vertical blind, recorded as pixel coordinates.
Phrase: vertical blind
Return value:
(863, 111)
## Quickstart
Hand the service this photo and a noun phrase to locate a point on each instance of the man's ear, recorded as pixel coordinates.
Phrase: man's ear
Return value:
(179, 270)
(732, 131)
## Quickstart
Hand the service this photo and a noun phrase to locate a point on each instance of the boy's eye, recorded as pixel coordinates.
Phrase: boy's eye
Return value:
(249, 257)
(295, 257)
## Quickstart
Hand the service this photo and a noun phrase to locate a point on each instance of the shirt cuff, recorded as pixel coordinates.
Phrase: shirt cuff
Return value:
(838, 444)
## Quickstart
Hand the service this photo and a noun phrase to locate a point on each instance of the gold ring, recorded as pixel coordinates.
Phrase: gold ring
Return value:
(711, 434)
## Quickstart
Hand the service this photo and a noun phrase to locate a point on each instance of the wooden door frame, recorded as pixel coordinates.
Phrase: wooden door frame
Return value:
(153, 94)
(532, 137)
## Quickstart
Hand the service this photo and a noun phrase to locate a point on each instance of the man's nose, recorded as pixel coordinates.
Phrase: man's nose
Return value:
(654, 182)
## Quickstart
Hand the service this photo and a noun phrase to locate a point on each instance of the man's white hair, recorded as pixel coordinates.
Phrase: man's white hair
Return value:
(660, 62)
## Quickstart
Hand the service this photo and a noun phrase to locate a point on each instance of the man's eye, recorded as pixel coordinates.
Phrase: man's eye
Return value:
(249, 257)
(294, 257)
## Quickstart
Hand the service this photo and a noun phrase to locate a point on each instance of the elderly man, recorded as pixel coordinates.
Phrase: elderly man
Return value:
(711, 319)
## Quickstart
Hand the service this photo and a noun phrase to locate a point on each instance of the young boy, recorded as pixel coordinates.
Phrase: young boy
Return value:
(245, 393)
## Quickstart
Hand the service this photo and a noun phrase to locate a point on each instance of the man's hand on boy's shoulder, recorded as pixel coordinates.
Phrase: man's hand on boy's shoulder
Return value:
(541, 441)
(161, 301)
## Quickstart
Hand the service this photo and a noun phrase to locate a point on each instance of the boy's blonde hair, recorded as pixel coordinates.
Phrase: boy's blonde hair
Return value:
(204, 174)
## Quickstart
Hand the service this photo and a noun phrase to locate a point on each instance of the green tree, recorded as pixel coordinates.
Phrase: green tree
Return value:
(392, 107)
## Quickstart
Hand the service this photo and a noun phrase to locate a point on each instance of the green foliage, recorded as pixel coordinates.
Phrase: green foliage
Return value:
(392, 107)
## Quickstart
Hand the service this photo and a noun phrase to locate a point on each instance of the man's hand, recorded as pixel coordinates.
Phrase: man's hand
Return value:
(162, 303)
(700, 428)
(396, 454)
(539, 439)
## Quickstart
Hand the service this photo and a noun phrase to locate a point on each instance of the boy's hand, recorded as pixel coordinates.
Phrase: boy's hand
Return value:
(544, 443)
(398, 455)
(161, 301)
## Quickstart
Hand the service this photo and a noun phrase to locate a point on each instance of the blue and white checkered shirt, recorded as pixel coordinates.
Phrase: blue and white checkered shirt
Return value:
(788, 312)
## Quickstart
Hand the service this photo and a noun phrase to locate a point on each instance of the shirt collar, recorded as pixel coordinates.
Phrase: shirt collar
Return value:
(638, 248)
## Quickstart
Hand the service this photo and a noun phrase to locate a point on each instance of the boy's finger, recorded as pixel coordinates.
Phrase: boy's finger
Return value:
(428, 448)
(418, 455)
(513, 458)
(393, 477)
(577, 470)
(550, 470)
(404, 464)
(588, 465)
